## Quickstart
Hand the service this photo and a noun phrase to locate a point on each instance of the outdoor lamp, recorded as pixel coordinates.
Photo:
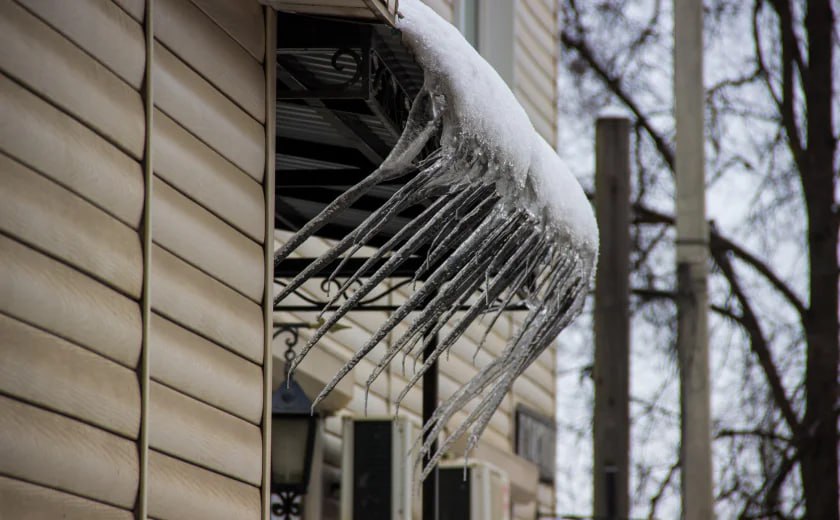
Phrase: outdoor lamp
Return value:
(293, 429)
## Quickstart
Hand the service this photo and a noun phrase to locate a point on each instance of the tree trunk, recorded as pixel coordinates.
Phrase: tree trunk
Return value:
(818, 452)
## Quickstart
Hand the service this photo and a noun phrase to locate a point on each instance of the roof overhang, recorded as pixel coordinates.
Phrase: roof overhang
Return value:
(383, 11)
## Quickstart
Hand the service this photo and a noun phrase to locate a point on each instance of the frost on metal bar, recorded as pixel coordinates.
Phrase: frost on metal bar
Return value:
(504, 218)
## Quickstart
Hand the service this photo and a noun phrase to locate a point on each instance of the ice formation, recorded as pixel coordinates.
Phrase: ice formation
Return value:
(504, 217)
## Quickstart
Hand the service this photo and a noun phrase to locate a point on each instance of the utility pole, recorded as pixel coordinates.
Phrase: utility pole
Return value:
(611, 428)
(692, 250)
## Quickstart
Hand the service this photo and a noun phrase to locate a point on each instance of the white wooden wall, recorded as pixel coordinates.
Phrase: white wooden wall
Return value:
(132, 292)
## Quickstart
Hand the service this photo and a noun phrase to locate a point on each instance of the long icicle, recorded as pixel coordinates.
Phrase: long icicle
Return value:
(373, 222)
(454, 262)
(472, 313)
(459, 288)
(392, 263)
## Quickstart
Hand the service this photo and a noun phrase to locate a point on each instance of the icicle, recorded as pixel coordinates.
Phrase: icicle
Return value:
(502, 217)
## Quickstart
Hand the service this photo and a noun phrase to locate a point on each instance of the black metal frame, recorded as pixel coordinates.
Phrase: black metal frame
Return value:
(404, 276)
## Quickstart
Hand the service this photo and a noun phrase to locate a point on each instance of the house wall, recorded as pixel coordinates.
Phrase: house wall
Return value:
(132, 294)
(535, 58)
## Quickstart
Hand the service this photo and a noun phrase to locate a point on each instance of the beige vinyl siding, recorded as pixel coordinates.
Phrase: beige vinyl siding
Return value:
(198, 302)
(445, 8)
(81, 384)
(205, 112)
(207, 278)
(535, 64)
(47, 448)
(209, 179)
(59, 223)
(184, 491)
(78, 159)
(242, 21)
(88, 23)
(36, 55)
(25, 500)
(205, 370)
(72, 151)
(211, 53)
(204, 435)
(71, 138)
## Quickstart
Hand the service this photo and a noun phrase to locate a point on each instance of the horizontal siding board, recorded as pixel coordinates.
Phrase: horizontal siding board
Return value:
(135, 8)
(540, 375)
(37, 55)
(102, 29)
(181, 490)
(51, 218)
(198, 302)
(538, 118)
(544, 14)
(529, 70)
(442, 7)
(208, 178)
(202, 239)
(190, 430)
(534, 397)
(196, 105)
(242, 20)
(41, 368)
(25, 501)
(198, 41)
(56, 145)
(204, 370)
(527, 45)
(531, 24)
(53, 450)
(40, 290)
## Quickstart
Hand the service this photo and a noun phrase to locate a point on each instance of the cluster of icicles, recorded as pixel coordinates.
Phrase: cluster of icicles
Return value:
(485, 245)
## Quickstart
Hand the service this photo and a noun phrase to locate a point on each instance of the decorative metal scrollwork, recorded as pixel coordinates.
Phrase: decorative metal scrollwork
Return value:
(291, 329)
(328, 283)
(357, 60)
(306, 83)
(286, 505)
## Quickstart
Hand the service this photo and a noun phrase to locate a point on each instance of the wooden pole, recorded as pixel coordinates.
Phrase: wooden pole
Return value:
(611, 429)
(692, 250)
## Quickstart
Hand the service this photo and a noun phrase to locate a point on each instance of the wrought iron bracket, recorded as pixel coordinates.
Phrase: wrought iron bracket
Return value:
(286, 505)
(331, 280)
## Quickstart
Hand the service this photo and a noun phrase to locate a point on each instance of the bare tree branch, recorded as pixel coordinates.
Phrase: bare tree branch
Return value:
(617, 87)
(758, 342)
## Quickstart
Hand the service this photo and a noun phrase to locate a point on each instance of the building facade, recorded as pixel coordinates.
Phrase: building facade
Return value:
(137, 227)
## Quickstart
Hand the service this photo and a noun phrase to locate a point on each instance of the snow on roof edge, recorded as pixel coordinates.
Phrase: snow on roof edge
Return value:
(486, 110)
